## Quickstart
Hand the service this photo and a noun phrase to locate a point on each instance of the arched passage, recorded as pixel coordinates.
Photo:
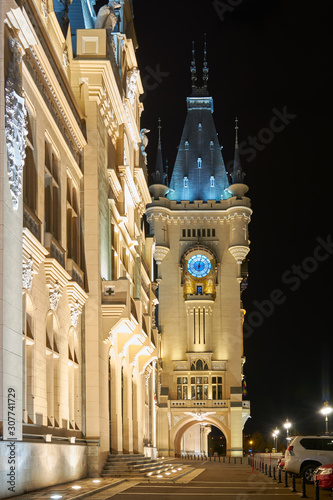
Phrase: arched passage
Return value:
(216, 442)
(198, 443)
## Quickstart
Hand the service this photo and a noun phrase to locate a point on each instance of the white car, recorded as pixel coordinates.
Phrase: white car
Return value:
(306, 453)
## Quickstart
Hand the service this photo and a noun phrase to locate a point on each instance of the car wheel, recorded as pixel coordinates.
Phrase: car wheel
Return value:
(307, 472)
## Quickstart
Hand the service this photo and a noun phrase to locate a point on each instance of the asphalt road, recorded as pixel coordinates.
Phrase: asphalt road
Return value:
(214, 480)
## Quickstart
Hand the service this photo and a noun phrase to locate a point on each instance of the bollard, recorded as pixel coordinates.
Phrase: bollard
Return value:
(316, 489)
(279, 481)
(265, 469)
(269, 471)
(294, 483)
(286, 479)
(303, 495)
(274, 475)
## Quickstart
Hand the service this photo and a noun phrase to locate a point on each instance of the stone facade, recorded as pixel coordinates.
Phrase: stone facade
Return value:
(78, 342)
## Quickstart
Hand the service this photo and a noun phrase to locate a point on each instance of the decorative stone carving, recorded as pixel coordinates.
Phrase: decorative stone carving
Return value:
(131, 81)
(245, 416)
(65, 58)
(239, 252)
(144, 143)
(15, 122)
(44, 9)
(27, 274)
(112, 337)
(75, 313)
(147, 373)
(199, 415)
(55, 295)
(177, 418)
(222, 419)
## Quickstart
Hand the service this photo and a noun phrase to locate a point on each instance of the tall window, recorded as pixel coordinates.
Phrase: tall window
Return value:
(181, 387)
(28, 365)
(29, 172)
(74, 414)
(217, 387)
(199, 388)
(52, 376)
(73, 223)
(52, 193)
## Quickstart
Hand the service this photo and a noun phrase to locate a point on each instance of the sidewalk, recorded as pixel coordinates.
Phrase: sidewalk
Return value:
(84, 488)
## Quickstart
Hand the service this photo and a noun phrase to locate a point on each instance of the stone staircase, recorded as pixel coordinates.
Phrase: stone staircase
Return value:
(133, 465)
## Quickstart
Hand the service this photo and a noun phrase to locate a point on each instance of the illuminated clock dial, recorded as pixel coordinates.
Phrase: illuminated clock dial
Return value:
(199, 266)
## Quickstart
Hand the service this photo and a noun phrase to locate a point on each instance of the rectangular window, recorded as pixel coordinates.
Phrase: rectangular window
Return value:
(199, 392)
(213, 232)
(184, 380)
(184, 233)
(205, 391)
(193, 232)
(203, 233)
(179, 380)
(199, 233)
(192, 391)
(188, 233)
(185, 392)
(179, 392)
(208, 233)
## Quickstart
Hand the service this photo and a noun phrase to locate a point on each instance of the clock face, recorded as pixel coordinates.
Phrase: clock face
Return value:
(199, 266)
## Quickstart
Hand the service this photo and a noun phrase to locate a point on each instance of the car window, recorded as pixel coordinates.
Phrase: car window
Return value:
(311, 443)
(328, 444)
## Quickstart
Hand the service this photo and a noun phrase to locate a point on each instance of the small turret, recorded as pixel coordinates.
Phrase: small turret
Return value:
(237, 188)
(159, 188)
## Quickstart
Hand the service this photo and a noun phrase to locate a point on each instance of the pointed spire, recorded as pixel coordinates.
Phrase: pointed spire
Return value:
(159, 133)
(237, 173)
(193, 69)
(236, 132)
(205, 69)
(159, 173)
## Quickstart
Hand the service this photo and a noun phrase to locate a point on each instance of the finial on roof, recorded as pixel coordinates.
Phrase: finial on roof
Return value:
(236, 129)
(159, 132)
(193, 68)
(205, 66)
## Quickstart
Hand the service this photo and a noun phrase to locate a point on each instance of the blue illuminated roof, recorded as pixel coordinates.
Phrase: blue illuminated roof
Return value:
(199, 172)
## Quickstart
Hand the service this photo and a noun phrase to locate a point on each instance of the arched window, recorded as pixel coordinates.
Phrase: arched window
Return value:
(199, 365)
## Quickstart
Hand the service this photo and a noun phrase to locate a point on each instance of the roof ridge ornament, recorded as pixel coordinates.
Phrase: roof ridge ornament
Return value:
(205, 68)
(193, 68)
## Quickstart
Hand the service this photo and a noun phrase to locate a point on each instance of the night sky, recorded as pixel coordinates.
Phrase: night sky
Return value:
(266, 59)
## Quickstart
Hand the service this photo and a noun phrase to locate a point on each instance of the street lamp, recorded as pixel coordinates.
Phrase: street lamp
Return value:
(326, 410)
(287, 426)
(275, 435)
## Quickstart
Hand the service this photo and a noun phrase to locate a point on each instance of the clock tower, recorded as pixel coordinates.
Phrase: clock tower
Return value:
(200, 223)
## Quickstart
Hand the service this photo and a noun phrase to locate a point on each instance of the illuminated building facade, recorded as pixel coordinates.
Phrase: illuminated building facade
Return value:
(78, 342)
(200, 223)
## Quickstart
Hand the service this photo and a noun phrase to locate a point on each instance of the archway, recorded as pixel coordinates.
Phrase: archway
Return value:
(191, 437)
(217, 443)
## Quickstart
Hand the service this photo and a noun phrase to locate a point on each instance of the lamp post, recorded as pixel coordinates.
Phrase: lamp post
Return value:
(326, 410)
(275, 435)
(287, 426)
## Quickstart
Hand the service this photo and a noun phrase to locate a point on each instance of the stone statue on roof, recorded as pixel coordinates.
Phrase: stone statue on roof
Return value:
(106, 17)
